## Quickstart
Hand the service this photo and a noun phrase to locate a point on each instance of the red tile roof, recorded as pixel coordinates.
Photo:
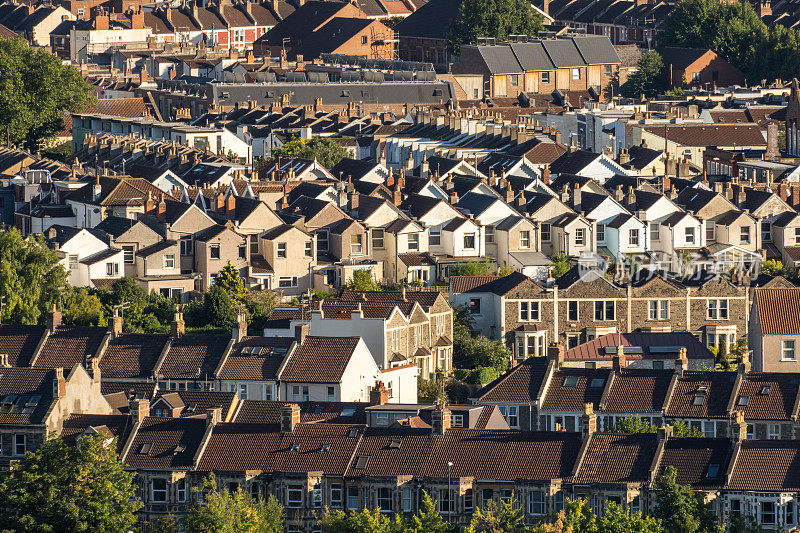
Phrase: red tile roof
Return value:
(778, 311)
(616, 458)
(638, 391)
(168, 443)
(718, 135)
(194, 356)
(767, 466)
(561, 396)
(519, 384)
(255, 358)
(69, 346)
(692, 457)
(770, 396)
(20, 342)
(132, 355)
(320, 360)
(715, 389)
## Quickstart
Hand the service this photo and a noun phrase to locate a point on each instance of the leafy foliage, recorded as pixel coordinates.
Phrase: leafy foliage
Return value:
(69, 488)
(560, 265)
(230, 281)
(234, 512)
(326, 151)
(362, 281)
(679, 508)
(492, 18)
(145, 312)
(36, 89)
(472, 351)
(649, 78)
(498, 517)
(772, 267)
(473, 268)
(615, 519)
(217, 308)
(82, 307)
(635, 424)
(30, 274)
(427, 520)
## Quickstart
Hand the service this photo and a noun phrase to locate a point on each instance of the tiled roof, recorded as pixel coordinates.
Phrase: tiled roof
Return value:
(412, 260)
(320, 360)
(269, 412)
(70, 345)
(190, 354)
(255, 358)
(770, 396)
(783, 459)
(118, 426)
(132, 355)
(595, 350)
(520, 384)
(778, 311)
(638, 391)
(424, 298)
(459, 284)
(616, 458)
(195, 403)
(20, 342)
(702, 395)
(718, 135)
(26, 394)
(692, 457)
(309, 448)
(496, 285)
(168, 443)
(571, 388)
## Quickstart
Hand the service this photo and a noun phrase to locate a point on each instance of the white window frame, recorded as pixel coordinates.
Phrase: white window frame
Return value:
(357, 244)
(169, 260)
(129, 252)
(112, 269)
(337, 495)
(633, 236)
(281, 250)
(162, 492)
(20, 443)
(467, 237)
(655, 231)
(601, 233)
(283, 280)
(547, 232)
(788, 352)
(382, 498)
(525, 239)
(435, 236)
(214, 249)
(378, 239)
(689, 235)
(323, 240)
(580, 236)
(413, 241)
(717, 309)
(294, 496)
(529, 311)
(658, 310)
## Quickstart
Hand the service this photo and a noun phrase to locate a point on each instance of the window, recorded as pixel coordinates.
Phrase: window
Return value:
(385, 499)
(446, 501)
(604, 310)
(789, 512)
(128, 251)
(112, 269)
(377, 240)
(689, 235)
(787, 351)
(745, 234)
(572, 310)
(407, 499)
(243, 250)
(658, 365)
(634, 237)
(331, 394)
(243, 391)
(300, 393)
(573, 339)
(536, 503)
(528, 311)
(352, 497)
(469, 501)
(511, 414)
(601, 233)
(766, 231)
(214, 251)
(282, 250)
(506, 495)
(469, 241)
(287, 281)
(159, 490)
(655, 231)
(545, 77)
(254, 244)
(181, 490)
(322, 240)
(413, 241)
(576, 74)
(19, 444)
(717, 309)
(797, 235)
(336, 495)
(294, 496)
(363, 39)
(489, 233)
(524, 239)
(357, 244)
(659, 310)
(457, 421)
(546, 234)
(559, 501)
(768, 513)
(736, 507)
(435, 236)
(381, 419)
(186, 245)
(514, 80)
(580, 237)
(773, 431)
(238, 36)
(169, 261)
(474, 306)
(608, 70)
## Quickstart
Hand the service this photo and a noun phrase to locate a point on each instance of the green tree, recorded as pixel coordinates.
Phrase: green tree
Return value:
(473, 351)
(36, 90)
(260, 305)
(326, 151)
(635, 424)
(82, 307)
(234, 512)
(615, 519)
(680, 509)
(560, 265)
(230, 281)
(772, 267)
(498, 517)
(364, 521)
(31, 276)
(428, 519)
(577, 516)
(143, 312)
(492, 18)
(217, 308)
(362, 281)
(648, 79)
(473, 268)
(69, 488)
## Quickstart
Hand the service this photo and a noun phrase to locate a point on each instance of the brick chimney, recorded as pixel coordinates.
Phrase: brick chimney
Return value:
(290, 417)
(115, 327)
(139, 408)
(440, 419)
(745, 366)
(738, 427)
(664, 432)
(59, 383)
(239, 331)
(161, 210)
(588, 420)
(178, 327)
(557, 352)
(301, 332)
(213, 416)
(682, 363)
(378, 395)
(53, 319)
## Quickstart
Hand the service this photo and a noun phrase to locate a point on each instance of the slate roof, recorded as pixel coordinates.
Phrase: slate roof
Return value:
(596, 49)
(573, 162)
(681, 58)
(431, 20)
(320, 360)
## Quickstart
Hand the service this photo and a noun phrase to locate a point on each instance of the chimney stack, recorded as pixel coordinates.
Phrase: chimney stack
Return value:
(239, 331)
(588, 420)
(59, 383)
(440, 421)
(53, 319)
(378, 395)
(178, 325)
(213, 416)
(738, 427)
(301, 332)
(116, 325)
(557, 352)
(290, 417)
(140, 408)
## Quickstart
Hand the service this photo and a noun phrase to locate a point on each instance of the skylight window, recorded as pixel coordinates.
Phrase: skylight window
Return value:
(361, 461)
(395, 444)
(743, 400)
(145, 448)
(295, 447)
(713, 470)
(348, 411)
(596, 383)
(570, 382)
(765, 390)
(325, 448)
(699, 399)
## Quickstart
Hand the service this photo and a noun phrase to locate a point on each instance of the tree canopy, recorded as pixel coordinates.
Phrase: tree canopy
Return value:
(362, 281)
(649, 78)
(82, 488)
(492, 18)
(326, 151)
(234, 512)
(473, 268)
(680, 509)
(36, 89)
